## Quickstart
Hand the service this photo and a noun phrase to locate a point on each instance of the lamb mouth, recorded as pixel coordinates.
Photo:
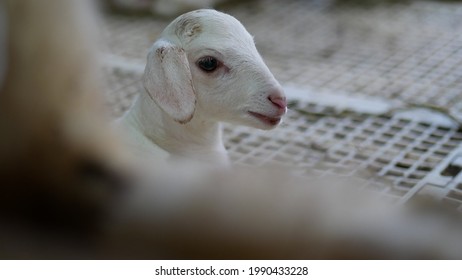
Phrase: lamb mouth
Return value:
(266, 119)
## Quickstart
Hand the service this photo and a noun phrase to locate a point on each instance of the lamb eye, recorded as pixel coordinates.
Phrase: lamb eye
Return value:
(208, 63)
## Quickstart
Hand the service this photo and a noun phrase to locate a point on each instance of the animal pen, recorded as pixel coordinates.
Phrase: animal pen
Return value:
(375, 92)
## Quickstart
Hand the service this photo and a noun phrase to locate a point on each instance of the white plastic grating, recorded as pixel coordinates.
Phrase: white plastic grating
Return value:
(401, 151)
(339, 58)
(386, 153)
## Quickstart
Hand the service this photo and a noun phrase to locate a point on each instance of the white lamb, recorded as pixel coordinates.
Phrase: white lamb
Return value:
(203, 70)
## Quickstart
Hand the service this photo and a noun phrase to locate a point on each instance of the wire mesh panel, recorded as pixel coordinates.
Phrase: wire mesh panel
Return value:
(411, 52)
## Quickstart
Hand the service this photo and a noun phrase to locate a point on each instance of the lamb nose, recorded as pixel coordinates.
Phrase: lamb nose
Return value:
(278, 100)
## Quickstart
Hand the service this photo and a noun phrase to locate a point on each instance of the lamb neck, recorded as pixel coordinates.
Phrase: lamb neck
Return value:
(200, 138)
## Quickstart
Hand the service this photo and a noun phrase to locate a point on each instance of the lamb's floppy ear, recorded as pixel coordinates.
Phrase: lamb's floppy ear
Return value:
(167, 79)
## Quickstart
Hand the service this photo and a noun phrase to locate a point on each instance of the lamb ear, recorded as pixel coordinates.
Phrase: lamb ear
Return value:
(167, 79)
